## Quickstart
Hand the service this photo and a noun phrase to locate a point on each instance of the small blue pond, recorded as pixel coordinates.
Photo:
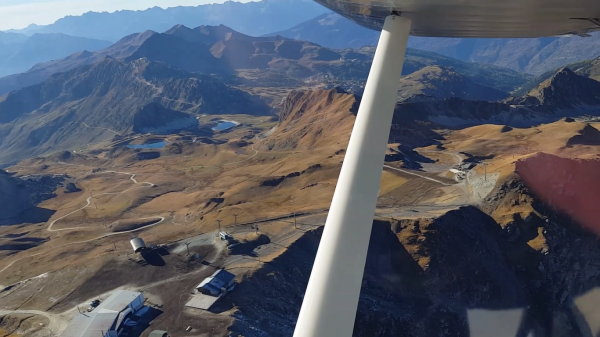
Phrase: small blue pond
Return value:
(224, 125)
(157, 145)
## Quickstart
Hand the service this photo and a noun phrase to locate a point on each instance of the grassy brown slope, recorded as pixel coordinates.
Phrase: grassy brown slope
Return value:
(314, 119)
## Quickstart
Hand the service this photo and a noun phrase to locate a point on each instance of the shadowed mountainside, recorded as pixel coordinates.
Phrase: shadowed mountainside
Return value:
(587, 68)
(534, 56)
(21, 195)
(566, 94)
(98, 101)
(564, 89)
(442, 82)
(310, 118)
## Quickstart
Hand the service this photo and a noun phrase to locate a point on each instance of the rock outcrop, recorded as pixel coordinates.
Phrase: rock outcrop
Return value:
(442, 82)
(589, 135)
(564, 90)
(17, 195)
(71, 188)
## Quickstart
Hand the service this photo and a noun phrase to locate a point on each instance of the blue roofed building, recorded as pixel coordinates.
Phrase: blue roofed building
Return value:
(218, 283)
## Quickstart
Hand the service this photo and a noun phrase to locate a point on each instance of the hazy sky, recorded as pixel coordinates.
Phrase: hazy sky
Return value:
(16, 14)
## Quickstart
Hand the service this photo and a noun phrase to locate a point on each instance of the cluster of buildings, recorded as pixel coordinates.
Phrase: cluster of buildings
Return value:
(114, 316)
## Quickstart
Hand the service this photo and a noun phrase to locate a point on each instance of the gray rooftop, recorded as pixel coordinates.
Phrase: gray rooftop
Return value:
(102, 318)
(219, 279)
(90, 324)
(117, 301)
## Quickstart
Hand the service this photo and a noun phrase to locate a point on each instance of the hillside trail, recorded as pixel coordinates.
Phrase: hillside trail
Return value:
(160, 220)
(88, 203)
(138, 76)
(95, 127)
(88, 200)
(159, 90)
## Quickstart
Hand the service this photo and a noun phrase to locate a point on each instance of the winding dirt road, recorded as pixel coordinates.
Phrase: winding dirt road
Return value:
(95, 127)
(50, 229)
(132, 178)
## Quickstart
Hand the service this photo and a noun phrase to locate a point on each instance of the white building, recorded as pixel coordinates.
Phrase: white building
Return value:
(107, 319)
(137, 244)
(219, 282)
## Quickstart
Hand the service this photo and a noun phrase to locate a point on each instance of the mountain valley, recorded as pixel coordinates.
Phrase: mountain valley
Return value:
(77, 107)
(261, 170)
(221, 150)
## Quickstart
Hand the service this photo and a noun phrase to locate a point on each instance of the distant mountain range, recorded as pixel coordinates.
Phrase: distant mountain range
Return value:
(314, 23)
(441, 82)
(222, 51)
(303, 123)
(427, 81)
(98, 101)
(18, 52)
(534, 56)
(503, 79)
(565, 94)
(253, 18)
(313, 118)
(587, 68)
(151, 82)
(29, 30)
(564, 90)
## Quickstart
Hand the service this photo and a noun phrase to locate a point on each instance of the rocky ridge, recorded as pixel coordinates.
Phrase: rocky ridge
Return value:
(441, 82)
(108, 98)
(565, 94)
(427, 276)
(18, 195)
(223, 51)
(565, 89)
